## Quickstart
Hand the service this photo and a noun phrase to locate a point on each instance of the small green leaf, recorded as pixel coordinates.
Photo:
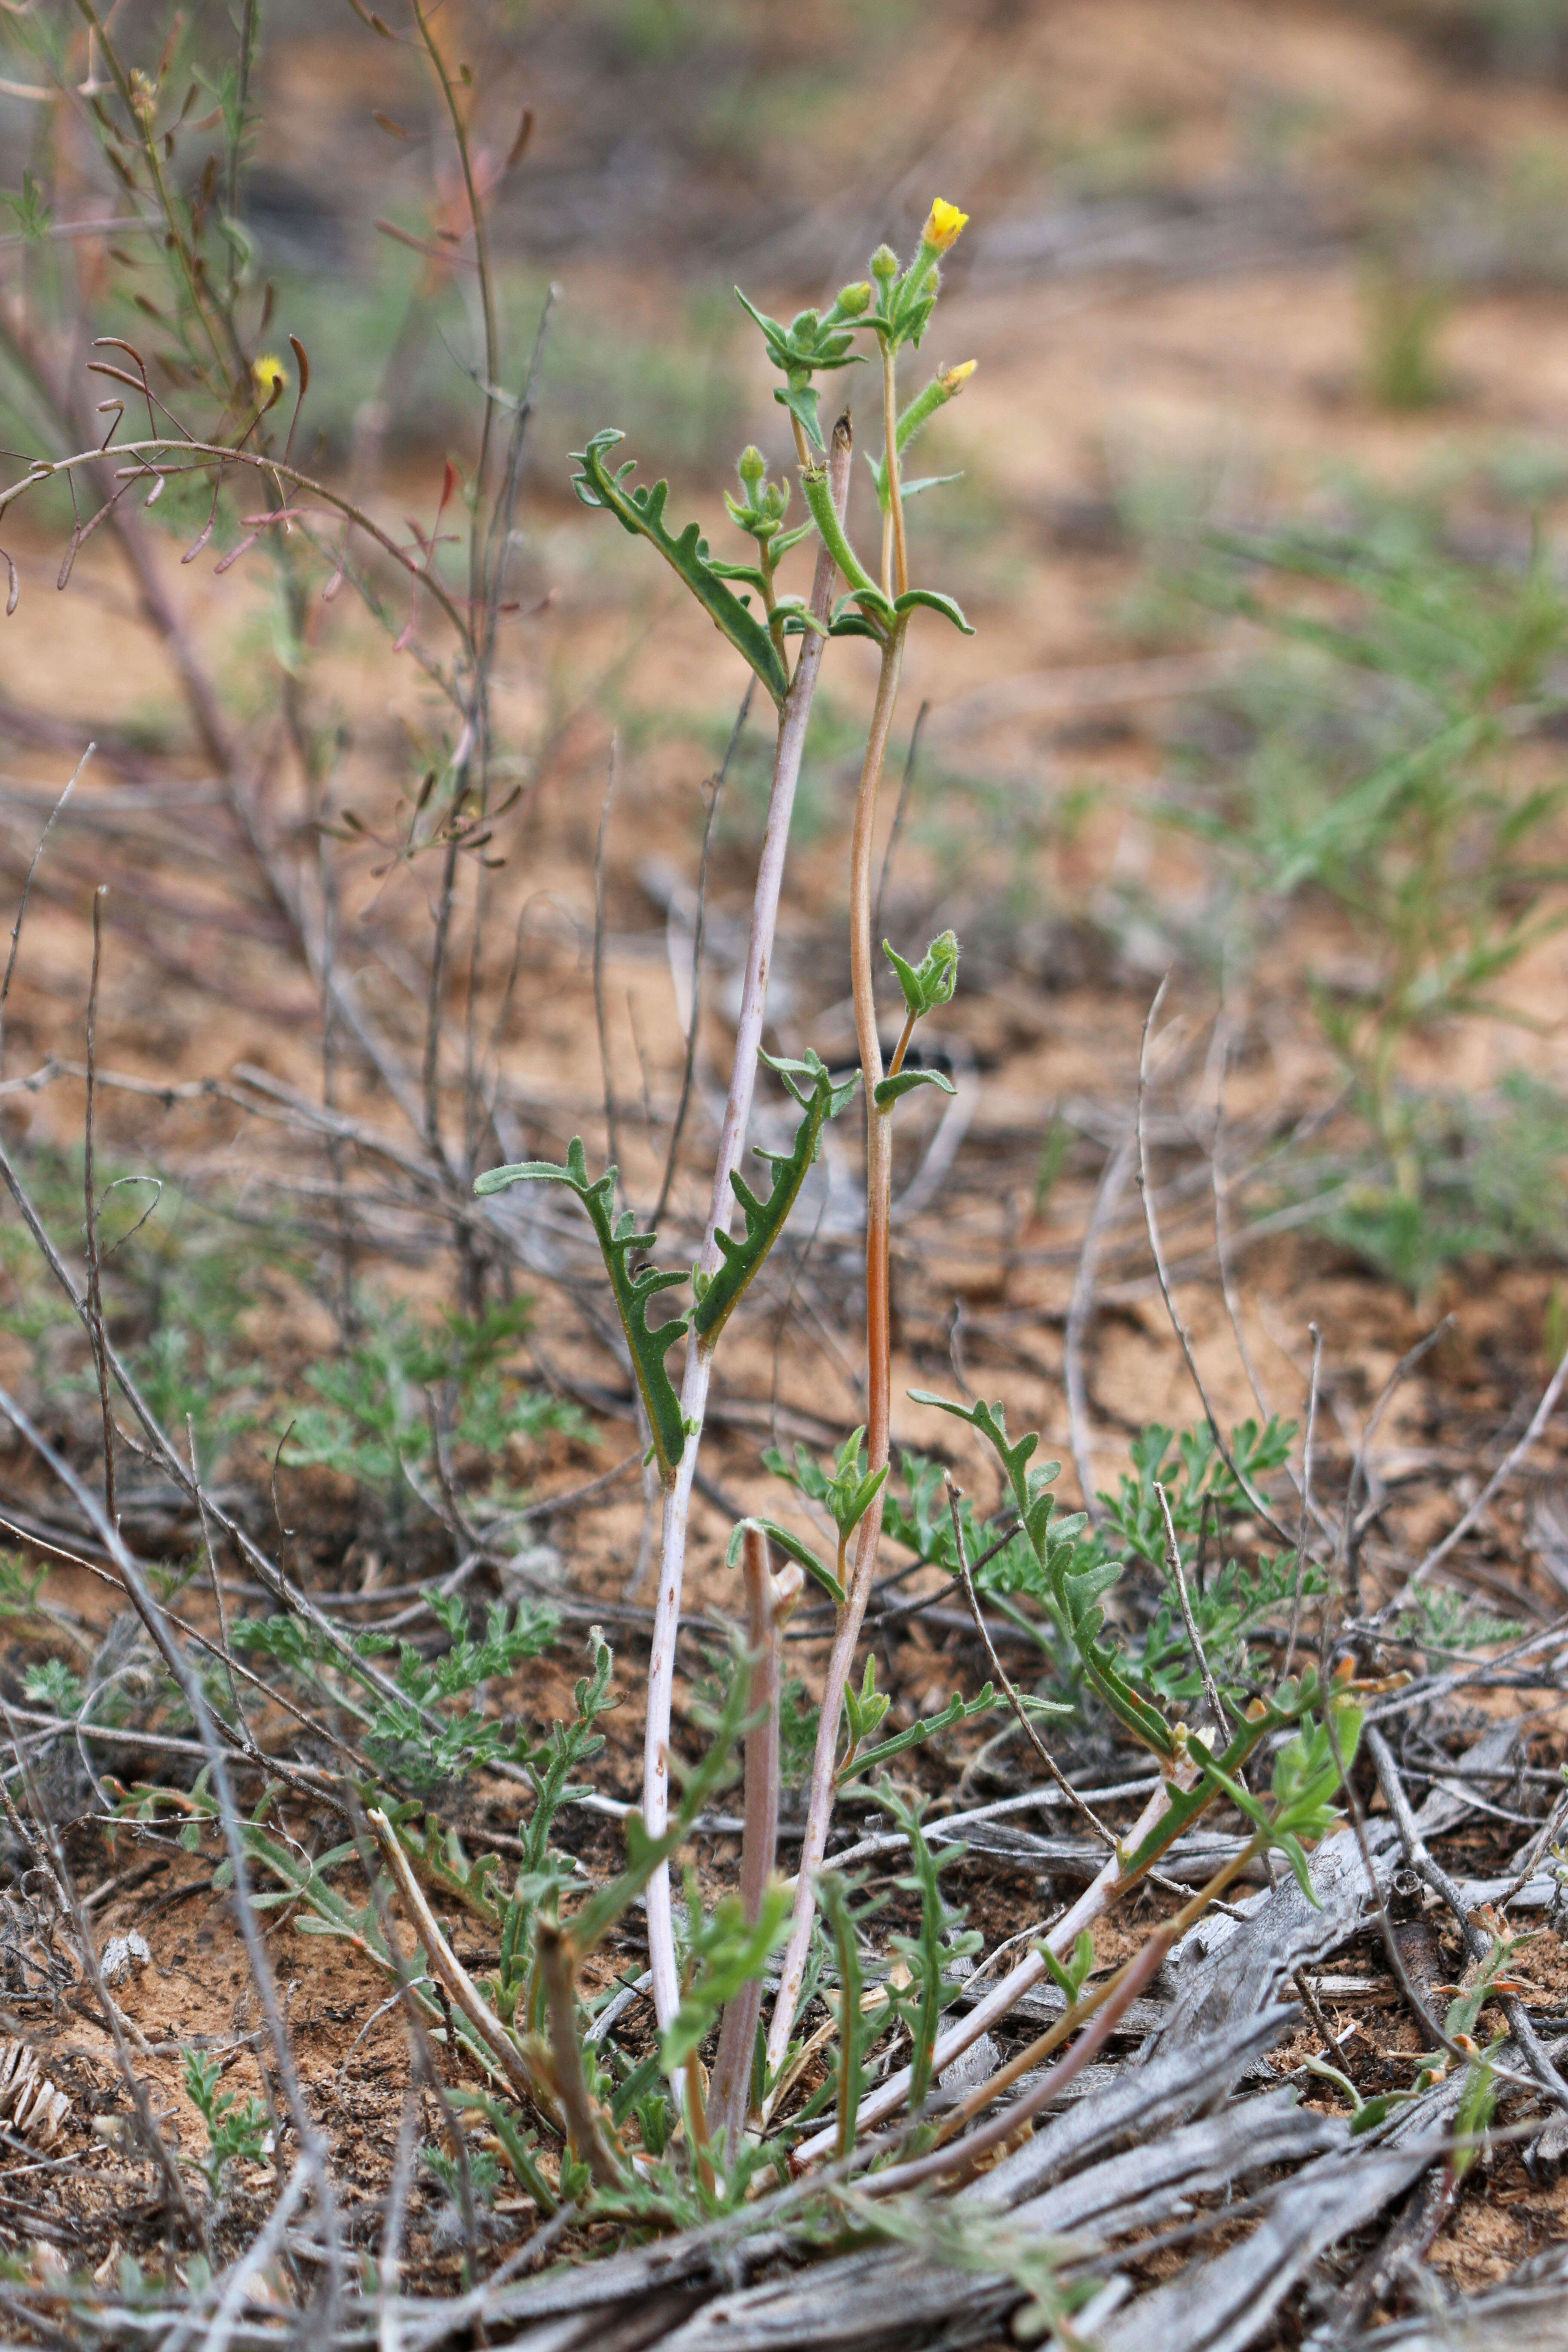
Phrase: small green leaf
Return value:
(746, 571)
(937, 603)
(932, 981)
(1070, 1977)
(866, 1707)
(887, 1091)
(800, 399)
(908, 490)
(793, 1549)
(958, 1710)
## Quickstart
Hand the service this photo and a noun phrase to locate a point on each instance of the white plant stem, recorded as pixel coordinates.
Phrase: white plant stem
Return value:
(879, 1361)
(793, 721)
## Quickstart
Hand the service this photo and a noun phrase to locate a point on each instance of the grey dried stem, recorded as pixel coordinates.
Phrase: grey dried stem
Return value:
(1477, 1944)
(1178, 1576)
(1084, 1811)
(312, 2147)
(89, 1183)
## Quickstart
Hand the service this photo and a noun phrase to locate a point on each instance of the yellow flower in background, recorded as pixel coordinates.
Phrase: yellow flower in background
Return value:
(271, 376)
(944, 227)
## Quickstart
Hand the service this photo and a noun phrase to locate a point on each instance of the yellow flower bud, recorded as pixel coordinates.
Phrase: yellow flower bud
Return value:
(944, 225)
(953, 379)
(270, 377)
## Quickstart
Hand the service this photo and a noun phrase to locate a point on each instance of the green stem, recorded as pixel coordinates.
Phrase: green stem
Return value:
(895, 489)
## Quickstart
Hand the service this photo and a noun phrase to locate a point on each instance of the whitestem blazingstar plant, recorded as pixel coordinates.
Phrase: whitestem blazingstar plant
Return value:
(782, 637)
(744, 602)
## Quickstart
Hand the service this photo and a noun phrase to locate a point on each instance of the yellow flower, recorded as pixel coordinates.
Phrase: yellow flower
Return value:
(271, 376)
(944, 227)
(953, 379)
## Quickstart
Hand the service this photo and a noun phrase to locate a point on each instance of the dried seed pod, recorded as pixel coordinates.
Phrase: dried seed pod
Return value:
(31, 2107)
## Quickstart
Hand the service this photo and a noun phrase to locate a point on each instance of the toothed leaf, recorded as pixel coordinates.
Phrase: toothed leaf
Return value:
(618, 1239)
(811, 1084)
(641, 512)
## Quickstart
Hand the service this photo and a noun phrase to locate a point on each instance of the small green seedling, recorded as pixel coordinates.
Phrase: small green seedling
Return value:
(237, 2131)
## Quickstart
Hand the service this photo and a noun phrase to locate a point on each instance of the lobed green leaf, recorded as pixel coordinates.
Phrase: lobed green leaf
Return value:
(618, 1239)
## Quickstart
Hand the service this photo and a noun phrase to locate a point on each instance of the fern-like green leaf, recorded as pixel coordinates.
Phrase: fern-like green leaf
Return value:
(641, 511)
(812, 1086)
(619, 1241)
(1073, 1597)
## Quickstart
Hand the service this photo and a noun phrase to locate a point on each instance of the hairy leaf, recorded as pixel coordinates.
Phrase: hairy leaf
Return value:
(887, 1091)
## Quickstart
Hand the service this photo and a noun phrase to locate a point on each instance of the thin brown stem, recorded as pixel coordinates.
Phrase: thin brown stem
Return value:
(696, 2124)
(584, 2127)
(1085, 1811)
(446, 1966)
(1162, 1276)
(487, 291)
(769, 1600)
(177, 241)
(89, 1177)
(220, 453)
(611, 1123)
(216, 1586)
(902, 1047)
(1178, 1575)
(910, 756)
(26, 892)
(1314, 2010)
